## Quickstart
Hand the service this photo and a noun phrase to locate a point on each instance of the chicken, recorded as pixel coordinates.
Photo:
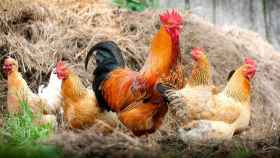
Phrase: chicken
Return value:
(206, 131)
(132, 95)
(229, 109)
(18, 91)
(51, 94)
(80, 106)
(201, 72)
(198, 85)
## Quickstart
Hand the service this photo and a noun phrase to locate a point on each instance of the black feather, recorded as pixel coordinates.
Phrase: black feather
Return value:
(161, 88)
(230, 74)
(106, 50)
(108, 58)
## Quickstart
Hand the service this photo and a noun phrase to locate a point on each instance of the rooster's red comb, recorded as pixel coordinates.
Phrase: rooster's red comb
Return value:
(171, 17)
(250, 61)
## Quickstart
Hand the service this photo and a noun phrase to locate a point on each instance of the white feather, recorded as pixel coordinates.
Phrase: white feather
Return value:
(51, 93)
(202, 131)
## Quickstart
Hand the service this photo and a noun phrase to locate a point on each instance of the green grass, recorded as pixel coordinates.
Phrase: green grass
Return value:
(1, 60)
(136, 5)
(241, 151)
(19, 137)
(1, 76)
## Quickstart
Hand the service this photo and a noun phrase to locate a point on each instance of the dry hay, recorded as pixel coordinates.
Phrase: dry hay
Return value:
(40, 33)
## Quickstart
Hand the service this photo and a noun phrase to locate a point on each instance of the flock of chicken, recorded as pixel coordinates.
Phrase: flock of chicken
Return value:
(140, 100)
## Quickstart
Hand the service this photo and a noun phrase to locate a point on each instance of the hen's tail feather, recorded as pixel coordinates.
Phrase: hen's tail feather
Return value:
(40, 89)
(163, 88)
(108, 58)
(175, 99)
(165, 91)
(230, 74)
(170, 94)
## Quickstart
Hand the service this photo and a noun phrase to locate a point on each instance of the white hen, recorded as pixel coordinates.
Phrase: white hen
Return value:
(51, 93)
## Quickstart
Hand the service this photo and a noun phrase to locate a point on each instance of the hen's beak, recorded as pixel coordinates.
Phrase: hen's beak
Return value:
(7, 68)
(180, 27)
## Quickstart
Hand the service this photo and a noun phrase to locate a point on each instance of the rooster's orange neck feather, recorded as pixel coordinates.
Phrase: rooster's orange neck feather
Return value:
(164, 53)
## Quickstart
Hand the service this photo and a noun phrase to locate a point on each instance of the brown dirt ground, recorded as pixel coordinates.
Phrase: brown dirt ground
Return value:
(39, 33)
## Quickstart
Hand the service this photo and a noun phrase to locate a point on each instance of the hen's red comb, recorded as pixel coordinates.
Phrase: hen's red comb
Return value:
(250, 61)
(197, 50)
(59, 65)
(171, 17)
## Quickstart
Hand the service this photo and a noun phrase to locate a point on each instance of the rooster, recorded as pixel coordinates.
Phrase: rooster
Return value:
(80, 106)
(228, 109)
(19, 91)
(132, 95)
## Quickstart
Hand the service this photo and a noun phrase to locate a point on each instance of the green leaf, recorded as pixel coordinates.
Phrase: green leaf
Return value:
(19, 137)
(241, 152)
(136, 5)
